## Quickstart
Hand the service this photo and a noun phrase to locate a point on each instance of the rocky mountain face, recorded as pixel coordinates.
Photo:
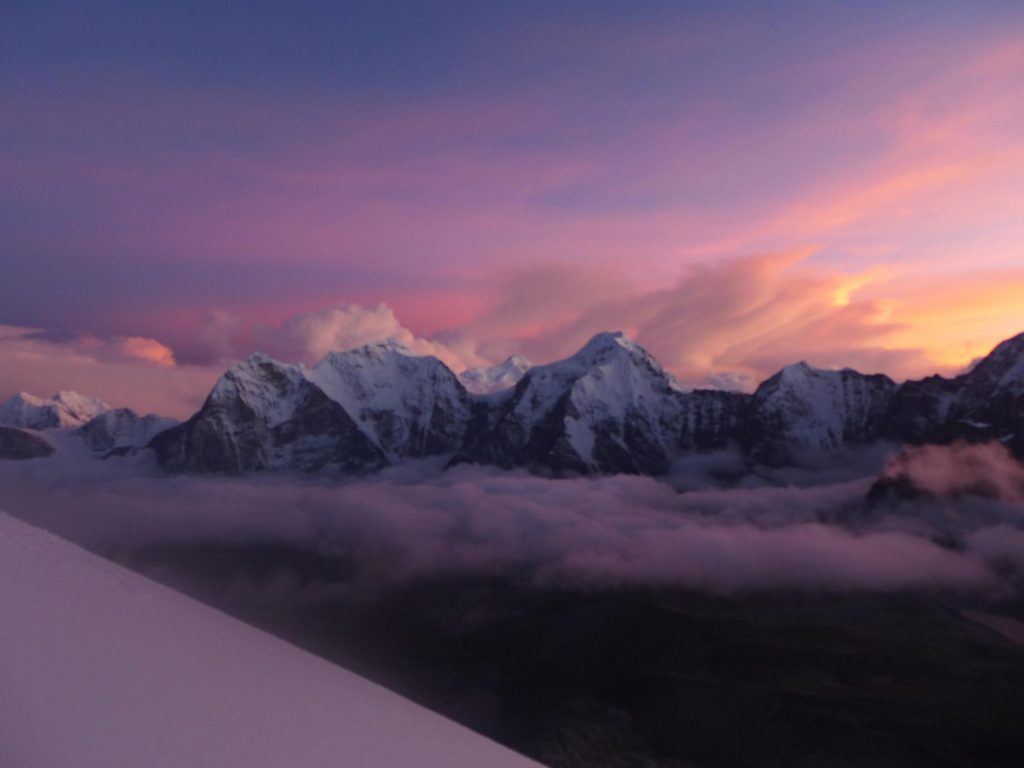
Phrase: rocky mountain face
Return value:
(19, 444)
(407, 406)
(919, 409)
(354, 411)
(121, 430)
(803, 409)
(266, 415)
(984, 404)
(63, 410)
(711, 420)
(608, 408)
(106, 431)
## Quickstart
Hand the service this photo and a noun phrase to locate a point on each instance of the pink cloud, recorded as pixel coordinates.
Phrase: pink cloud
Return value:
(132, 372)
(750, 316)
(886, 214)
(988, 469)
(734, 322)
(309, 336)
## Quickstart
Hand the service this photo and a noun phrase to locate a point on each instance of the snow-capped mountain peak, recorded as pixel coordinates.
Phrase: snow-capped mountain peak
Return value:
(376, 350)
(1003, 367)
(408, 405)
(266, 386)
(610, 346)
(79, 403)
(803, 407)
(123, 430)
(601, 349)
(495, 378)
(65, 409)
(27, 399)
(602, 346)
(373, 371)
(798, 370)
(264, 414)
(608, 405)
(353, 410)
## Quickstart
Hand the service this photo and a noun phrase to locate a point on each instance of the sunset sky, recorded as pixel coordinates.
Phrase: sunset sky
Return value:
(737, 185)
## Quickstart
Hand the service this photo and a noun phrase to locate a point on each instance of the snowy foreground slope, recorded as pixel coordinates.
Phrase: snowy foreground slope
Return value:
(100, 667)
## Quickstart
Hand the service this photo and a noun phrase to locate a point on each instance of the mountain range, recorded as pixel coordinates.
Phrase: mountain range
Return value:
(609, 408)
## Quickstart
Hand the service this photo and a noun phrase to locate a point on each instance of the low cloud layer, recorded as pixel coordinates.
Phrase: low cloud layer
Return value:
(410, 522)
(986, 469)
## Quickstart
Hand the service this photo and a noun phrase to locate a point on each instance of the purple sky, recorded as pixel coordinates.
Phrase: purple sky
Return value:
(737, 185)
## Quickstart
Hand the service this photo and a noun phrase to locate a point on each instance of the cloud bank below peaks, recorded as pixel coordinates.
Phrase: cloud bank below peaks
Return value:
(408, 523)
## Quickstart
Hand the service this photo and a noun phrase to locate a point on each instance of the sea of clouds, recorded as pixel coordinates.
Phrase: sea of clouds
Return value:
(785, 531)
